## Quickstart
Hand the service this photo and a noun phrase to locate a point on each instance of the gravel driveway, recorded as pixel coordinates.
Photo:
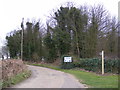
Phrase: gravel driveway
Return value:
(48, 78)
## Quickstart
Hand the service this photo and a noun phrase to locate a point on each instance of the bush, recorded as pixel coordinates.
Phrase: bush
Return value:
(67, 66)
(111, 66)
(76, 64)
(91, 64)
(95, 65)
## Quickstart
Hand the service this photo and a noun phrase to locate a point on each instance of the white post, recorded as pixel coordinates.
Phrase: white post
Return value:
(102, 62)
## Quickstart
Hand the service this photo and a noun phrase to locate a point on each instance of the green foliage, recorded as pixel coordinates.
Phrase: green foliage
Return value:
(32, 46)
(32, 42)
(70, 30)
(13, 43)
(91, 64)
(111, 65)
(62, 40)
(50, 48)
(67, 66)
(95, 65)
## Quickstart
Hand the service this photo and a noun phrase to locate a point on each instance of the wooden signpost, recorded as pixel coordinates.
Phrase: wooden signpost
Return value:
(102, 62)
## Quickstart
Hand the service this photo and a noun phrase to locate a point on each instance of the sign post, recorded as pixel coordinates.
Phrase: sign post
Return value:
(102, 62)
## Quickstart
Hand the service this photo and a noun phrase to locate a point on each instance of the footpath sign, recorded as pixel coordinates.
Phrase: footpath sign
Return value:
(68, 59)
(102, 62)
(102, 54)
(67, 62)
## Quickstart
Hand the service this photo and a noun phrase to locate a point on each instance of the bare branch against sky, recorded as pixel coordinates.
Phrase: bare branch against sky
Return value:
(12, 11)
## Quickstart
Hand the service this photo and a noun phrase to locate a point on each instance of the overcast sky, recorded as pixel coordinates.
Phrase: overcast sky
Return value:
(12, 11)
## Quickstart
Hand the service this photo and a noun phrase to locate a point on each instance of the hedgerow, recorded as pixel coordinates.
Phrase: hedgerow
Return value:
(95, 65)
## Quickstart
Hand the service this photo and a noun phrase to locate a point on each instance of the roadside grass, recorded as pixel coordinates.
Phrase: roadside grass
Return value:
(95, 81)
(92, 80)
(16, 79)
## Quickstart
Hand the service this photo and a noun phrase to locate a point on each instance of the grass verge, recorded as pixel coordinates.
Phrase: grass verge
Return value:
(16, 79)
(95, 81)
(92, 80)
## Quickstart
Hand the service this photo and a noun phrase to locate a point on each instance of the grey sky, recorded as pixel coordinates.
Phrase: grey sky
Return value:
(12, 11)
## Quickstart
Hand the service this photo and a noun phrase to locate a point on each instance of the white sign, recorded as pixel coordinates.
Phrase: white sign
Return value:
(67, 59)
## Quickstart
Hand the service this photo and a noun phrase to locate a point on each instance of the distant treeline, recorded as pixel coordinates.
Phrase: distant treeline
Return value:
(82, 31)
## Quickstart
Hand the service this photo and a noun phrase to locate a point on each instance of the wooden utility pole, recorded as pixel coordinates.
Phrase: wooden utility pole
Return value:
(102, 62)
(22, 26)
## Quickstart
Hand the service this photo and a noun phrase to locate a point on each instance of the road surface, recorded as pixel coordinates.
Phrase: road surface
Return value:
(48, 78)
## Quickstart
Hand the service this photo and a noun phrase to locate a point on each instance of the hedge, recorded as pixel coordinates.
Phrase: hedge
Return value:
(95, 65)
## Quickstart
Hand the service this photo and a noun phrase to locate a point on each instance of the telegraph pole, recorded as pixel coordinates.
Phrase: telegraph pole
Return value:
(22, 26)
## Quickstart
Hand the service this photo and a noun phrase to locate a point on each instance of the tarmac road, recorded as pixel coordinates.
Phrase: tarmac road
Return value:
(48, 78)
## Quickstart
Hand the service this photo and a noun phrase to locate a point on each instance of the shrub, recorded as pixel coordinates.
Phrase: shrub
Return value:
(111, 66)
(95, 65)
(91, 64)
(67, 66)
